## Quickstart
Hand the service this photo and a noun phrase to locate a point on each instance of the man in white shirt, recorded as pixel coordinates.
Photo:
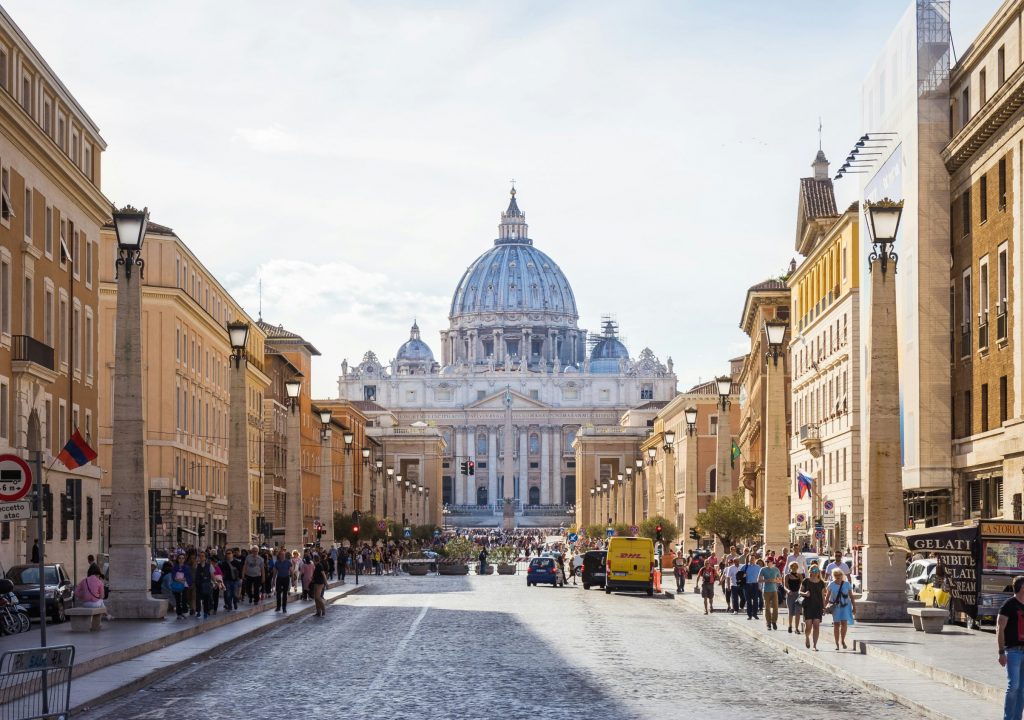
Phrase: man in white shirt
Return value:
(796, 557)
(732, 591)
(837, 563)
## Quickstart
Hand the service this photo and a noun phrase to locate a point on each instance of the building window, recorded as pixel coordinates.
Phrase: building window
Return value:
(26, 303)
(983, 199)
(48, 316)
(984, 407)
(1001, 65)
(965, 211)
(26, 94)
(1002, 184)
(968, 300)
(62, 328)
(968, 411)
(1001, 290)
(713, 425)
(647, 391)
(28, 214)
(48, 425)
(3, 68)
(76, 253)
(982, 89)
(6, 206)
(76, 351)
(62, 424)
(1003, 401)
(5, 409)
(983, 303)
(48, 232)
(88, 518)
(47, 117)
(5, 296)
(965, 107)
(88, 263)
(88, 343)
(604, 395)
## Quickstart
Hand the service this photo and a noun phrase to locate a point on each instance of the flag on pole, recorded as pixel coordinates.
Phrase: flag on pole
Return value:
(734, 453)
(77, 452)
(804, 483)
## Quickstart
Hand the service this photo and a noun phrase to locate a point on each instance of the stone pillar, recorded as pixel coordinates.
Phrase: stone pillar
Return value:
(668, 506)
(293, 484)
(239, 503)
(469, 481)
(558, 490)
(327, 488)
(689, 488)
(545, 465)
(776, 457)
(492, 465)
(129, 514)
(524, 465)
(461, 456)
(723, 452)
(348, 481)
(884, 595)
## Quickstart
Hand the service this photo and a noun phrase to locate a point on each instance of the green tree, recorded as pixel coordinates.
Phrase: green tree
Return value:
(669, 531)
(596, 531)
(730, 519)
(621, 530)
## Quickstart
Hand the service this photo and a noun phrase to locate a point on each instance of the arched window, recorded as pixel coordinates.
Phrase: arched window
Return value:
(535, 495)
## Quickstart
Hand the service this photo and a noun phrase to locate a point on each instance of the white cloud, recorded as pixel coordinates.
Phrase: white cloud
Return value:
(274, 139)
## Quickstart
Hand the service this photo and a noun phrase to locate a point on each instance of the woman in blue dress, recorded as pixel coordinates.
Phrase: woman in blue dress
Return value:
(840, 604)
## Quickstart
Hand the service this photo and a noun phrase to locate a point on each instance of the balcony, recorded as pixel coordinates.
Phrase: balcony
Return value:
(1001, 326)
(810, 438)
(28, 355)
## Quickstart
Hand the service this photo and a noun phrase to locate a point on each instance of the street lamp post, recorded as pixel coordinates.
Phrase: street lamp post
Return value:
(652, 452)
(129, 513)
(632, 494)
(293, 471)
(389, 474)
(326, 477)
(723, 440)
(348, 476)
(239, 495)
(884, 595)
(669, 481)
(775, 494)
(690, 508)
(365, 452)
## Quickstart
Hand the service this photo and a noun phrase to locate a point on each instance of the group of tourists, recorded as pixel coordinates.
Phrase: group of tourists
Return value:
(758, 582)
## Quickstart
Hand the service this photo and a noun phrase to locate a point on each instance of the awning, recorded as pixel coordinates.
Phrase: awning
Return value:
(946, 538)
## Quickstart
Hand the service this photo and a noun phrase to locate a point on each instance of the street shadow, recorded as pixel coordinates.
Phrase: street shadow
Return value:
(422, 585)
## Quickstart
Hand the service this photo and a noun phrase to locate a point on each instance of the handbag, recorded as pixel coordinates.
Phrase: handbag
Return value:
(177, 586)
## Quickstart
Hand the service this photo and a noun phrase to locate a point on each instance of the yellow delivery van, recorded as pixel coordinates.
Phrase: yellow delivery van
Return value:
(630, 564)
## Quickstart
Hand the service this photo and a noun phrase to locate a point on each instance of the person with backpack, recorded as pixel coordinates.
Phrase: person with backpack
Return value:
(283, 580)
(204, 585)
(841, 605)
(181, 579)
(679, 563)
(229, 574)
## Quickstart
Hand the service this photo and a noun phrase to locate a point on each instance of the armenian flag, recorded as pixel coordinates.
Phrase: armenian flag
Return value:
(804, 483)
(77, 452)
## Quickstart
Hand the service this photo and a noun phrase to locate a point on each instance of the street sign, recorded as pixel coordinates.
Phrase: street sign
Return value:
(829, 522)
(573, 537)
(634, 530)
(437, 533)
(15, 478)
(583, 532)
(800, 518)
(610, 532)
(820, 534)
(407, 533)
(382, 525)
(15, 511)
(828, 507)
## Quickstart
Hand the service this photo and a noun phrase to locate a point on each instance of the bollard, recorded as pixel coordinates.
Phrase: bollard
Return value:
(657, 579)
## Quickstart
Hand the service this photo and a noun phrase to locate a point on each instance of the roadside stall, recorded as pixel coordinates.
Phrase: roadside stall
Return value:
(976, 562)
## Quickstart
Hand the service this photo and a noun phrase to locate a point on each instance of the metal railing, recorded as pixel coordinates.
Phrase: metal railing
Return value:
(26, 348)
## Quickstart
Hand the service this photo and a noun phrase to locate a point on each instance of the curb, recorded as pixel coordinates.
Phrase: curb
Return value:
(172, 668)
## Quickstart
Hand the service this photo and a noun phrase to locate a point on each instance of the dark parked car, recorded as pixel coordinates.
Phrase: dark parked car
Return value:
(594, 568)
(544, 570)
(58, 589)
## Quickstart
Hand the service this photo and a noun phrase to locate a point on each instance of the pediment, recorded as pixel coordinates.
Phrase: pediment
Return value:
(497, 402)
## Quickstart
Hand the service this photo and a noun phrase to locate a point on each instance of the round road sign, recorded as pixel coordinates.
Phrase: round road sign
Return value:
(634, 530)
(800, 517)
(828, 506)
(820, 533)
(15, 478)
(573, 537)
(382, 525)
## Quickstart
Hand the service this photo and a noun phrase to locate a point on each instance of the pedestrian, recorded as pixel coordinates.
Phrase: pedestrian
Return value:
(229, 575)
(89, 591)
(306, 575)
(812, 590)
(482, 557)
(295, 569)
(35, 551)
(733, 589)
(357, 563)
(707, 576)
(679, 571)
(218, 583)
(318, 584)
(770, 577)
(253, 571)
(748, 574)
(342, 563)
(840, 602)
(181, 578)
(792, 584)
(332, 562)
(576, 566)
(837, 564)
(794, 556)
(283, 580)
(1010, 640)
(204, 585)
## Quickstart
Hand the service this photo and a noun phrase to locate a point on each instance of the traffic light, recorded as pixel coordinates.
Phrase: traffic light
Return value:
(355, 531)
(356, 516)
(694, 535)
(657, 532)
(472, 467)
(464, 468)
(201, 529)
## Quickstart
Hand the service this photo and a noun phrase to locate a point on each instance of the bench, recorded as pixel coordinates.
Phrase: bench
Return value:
(85, 619)
(929, 620)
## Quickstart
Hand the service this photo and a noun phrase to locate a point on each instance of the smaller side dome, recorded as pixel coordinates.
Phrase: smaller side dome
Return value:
(608, 352)
(414, 350)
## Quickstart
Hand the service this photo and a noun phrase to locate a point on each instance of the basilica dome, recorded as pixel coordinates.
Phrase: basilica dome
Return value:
(514, 277)
(415, 355)
(609, 351)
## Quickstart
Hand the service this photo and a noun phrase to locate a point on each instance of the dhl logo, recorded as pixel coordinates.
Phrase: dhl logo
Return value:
(633, 556)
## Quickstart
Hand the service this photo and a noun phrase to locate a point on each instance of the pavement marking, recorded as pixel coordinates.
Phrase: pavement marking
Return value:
(385, 674)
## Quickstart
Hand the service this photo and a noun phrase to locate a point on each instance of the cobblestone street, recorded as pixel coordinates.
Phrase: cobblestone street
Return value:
(472, 647)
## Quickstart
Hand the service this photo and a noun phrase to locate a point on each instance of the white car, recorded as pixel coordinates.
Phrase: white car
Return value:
(917, 576)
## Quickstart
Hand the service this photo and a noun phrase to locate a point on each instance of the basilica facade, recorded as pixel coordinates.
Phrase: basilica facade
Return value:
(513, 339)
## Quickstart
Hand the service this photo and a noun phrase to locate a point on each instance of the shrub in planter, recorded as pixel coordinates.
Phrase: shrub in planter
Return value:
(505, 556)
(455, 556)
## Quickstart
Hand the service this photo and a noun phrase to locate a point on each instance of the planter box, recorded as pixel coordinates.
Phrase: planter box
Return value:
(452, 569)
(488, 570)
(416, 568)
(506, 569)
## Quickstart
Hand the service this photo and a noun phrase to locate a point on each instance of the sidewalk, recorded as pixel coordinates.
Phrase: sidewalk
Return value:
(128, 654)
(947, 676)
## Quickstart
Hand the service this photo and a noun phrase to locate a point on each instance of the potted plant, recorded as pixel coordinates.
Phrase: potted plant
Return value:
(455, 557)
(505, 556)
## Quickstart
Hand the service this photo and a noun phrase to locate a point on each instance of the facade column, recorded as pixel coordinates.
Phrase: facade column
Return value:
(348, 483)
(545, 465)
(293, 484)
(689, 488)
(775, 496)
(458, 487)
(492, 465)
(558, 489)
(469, 481)
(884, 595)
(524, 465)
(239, 503)
(327, 487)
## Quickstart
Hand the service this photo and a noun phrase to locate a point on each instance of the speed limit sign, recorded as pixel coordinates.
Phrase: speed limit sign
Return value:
(15, 478)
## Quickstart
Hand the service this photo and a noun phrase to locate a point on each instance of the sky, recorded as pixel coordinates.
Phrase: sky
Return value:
(353, 158)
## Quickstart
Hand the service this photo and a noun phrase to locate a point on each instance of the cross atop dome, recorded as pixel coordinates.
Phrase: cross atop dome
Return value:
(513, 228)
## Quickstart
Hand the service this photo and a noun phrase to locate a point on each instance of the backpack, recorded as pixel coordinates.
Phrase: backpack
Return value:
(741, 575)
